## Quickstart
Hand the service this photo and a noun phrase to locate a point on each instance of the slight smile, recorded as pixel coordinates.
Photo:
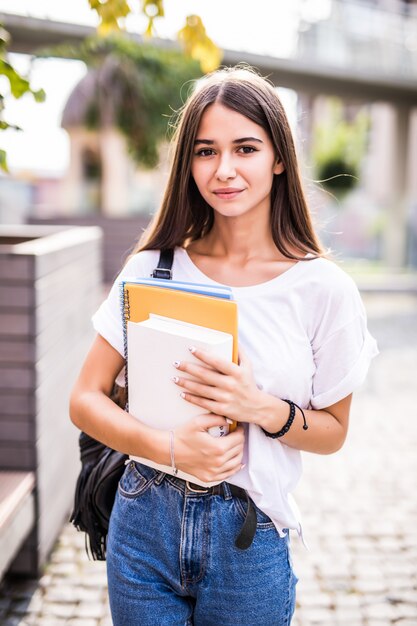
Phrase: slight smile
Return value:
(227, 193)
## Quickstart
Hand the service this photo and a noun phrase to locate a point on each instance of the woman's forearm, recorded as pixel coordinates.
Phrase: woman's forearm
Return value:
(208, 458)
(326, 430)
(98, 416)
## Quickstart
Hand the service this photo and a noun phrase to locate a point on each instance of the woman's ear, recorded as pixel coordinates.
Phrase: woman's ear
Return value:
(279, 167)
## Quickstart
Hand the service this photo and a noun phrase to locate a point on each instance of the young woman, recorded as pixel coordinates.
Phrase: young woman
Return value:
(235, 214)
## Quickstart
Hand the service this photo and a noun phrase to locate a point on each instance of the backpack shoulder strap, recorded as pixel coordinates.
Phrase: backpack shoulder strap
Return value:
(164, 267)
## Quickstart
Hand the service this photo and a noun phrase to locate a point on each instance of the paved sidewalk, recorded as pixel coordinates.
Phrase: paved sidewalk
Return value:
(360, 505)
(360, 511)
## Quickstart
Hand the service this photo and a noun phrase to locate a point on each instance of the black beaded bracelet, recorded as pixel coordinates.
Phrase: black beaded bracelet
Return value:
(289, 422)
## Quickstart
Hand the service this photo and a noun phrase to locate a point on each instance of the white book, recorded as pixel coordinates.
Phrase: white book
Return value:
(152, 347)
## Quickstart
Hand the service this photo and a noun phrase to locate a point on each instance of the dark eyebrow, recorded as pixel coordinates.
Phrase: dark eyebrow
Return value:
(245, 139)
(210, 142)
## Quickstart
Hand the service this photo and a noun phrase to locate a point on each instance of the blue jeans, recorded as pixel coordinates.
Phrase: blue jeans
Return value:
(171, 558)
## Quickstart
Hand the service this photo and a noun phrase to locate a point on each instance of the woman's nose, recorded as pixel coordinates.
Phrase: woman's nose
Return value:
(226, 168)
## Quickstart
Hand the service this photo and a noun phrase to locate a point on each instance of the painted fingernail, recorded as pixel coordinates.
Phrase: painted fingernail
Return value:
(175, 379)
(192, 349)
(176, 363)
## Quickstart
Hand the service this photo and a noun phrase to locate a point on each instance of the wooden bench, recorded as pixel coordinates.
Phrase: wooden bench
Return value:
(17, 513)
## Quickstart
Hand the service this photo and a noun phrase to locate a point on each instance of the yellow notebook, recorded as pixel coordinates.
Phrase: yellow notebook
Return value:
(140, 300)
(211, 312)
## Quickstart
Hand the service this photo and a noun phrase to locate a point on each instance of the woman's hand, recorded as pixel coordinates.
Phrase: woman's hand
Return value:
(210, 459)
(221, 387)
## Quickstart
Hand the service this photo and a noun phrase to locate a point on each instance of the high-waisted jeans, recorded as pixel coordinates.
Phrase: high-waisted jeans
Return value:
(172, 561)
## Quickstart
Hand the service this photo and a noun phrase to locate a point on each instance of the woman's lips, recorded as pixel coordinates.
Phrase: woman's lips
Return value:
(227, 194)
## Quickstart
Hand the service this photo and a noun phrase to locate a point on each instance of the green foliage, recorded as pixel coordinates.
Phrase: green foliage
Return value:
(193, 37)
(138, 86)
(3, 161)
(142, 88)
(19, 86)
(338, 149)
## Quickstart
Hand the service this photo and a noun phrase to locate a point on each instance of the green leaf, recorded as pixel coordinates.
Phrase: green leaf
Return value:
(3, 161)
(40, 95)
(18, 87)
(18, 84)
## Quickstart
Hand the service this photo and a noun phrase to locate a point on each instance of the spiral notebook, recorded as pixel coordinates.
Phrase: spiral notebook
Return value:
(184, 303)
(212, 307)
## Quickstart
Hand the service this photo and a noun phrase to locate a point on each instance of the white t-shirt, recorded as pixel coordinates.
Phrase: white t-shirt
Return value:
(306, 336)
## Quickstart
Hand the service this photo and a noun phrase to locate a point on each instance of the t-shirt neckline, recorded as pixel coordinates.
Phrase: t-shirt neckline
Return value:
(273, 283)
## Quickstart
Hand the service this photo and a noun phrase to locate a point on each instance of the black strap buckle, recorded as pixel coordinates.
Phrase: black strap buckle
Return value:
(164, 267)
(163, 273)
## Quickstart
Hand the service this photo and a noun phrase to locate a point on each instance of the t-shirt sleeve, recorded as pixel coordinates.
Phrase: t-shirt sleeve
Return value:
(342, 346)
(107, 320)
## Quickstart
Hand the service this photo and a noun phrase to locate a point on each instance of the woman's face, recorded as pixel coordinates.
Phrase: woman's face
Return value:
(233, 163)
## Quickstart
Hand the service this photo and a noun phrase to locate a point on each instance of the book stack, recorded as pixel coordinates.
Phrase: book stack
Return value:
(162, 320)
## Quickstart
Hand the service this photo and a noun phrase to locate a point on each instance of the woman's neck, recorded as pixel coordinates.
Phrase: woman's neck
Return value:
(235, 255)
(234, 240)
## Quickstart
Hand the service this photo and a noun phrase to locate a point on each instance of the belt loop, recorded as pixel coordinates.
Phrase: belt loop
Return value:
(160, 477)
(227, 494)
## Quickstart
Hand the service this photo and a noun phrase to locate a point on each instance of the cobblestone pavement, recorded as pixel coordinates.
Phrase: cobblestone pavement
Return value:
(359, 506)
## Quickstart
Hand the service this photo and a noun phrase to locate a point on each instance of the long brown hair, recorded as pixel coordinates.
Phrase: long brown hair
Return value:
(184, 215)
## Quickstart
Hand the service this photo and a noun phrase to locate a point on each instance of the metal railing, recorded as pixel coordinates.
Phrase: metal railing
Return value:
(364, 36)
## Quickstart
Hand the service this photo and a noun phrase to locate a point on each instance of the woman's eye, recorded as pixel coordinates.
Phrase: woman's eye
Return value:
(204, 152)
(247, 149)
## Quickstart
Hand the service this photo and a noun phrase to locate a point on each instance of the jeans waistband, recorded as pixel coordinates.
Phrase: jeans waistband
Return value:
(227, 490)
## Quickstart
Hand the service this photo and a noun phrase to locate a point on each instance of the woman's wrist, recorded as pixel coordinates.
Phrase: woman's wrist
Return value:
(270, 427)
(273, 413)
(154, 444)
(161, 447)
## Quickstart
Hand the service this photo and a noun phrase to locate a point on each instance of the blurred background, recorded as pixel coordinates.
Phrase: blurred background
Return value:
(88, 95)
(346, 70)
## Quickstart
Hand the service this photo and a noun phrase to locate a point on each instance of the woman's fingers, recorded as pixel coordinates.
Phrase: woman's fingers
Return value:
(200, 372)
(203, 422)
(209, 458)
(227, 469)
(234, 459)
(212, 361)
(204, 403)
(199, 389)
(230, 469)
(230, 444)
